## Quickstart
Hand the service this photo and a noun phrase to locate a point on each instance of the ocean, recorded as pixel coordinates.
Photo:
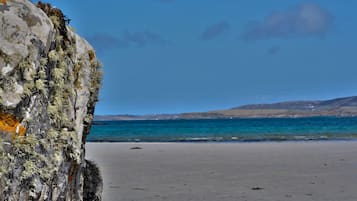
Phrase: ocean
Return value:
(226, 130)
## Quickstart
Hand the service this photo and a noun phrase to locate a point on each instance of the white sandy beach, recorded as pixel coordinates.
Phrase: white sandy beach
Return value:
(296, 171)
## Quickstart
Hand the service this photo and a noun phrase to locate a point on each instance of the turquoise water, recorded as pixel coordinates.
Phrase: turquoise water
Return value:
(243, 130)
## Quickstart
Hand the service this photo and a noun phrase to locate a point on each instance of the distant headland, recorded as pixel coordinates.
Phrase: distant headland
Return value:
(340, 107)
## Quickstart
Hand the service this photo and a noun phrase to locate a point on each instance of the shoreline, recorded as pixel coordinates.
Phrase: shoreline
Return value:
(232, 141)
(99, 120)
(295, 171)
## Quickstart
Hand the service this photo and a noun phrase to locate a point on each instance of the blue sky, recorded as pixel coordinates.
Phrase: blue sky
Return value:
(170, 56)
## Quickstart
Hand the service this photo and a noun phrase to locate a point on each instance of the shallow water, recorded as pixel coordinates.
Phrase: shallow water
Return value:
(223, 130)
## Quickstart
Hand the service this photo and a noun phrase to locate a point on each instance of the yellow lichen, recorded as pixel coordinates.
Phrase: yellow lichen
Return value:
(52, 55)
(29, 168)
(40, 86)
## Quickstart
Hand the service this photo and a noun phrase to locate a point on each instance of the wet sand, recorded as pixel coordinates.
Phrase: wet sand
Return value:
(296, 171)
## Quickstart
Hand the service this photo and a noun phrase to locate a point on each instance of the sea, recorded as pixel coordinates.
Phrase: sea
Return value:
(226, 130)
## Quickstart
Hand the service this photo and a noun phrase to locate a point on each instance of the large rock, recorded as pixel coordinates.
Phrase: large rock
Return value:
(49, 81)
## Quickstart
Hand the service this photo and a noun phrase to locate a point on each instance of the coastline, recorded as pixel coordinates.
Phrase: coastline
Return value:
(204, 141)
(289, 170)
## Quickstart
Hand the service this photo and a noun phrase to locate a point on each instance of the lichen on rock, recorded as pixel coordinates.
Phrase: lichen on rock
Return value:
(49, 83)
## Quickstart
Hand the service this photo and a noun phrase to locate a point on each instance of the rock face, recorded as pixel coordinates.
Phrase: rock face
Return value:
(49, 82)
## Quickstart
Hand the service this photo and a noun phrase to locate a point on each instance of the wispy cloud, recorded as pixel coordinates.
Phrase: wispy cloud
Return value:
(303, 20)
(143, 38)
(105, 41)
(215, 30)
(125, 40)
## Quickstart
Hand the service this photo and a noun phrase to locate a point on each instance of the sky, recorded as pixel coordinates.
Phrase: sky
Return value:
(173, 56)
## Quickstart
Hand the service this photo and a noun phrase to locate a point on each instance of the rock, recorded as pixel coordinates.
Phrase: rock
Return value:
(49, 82)
(136, 148)
(92, 180)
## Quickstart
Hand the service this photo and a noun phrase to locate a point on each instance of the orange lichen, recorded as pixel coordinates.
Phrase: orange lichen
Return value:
(9, 124)
(3, 1)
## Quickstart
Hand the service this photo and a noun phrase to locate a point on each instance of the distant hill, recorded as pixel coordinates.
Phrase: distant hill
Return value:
(306, 105)
(335, 107)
